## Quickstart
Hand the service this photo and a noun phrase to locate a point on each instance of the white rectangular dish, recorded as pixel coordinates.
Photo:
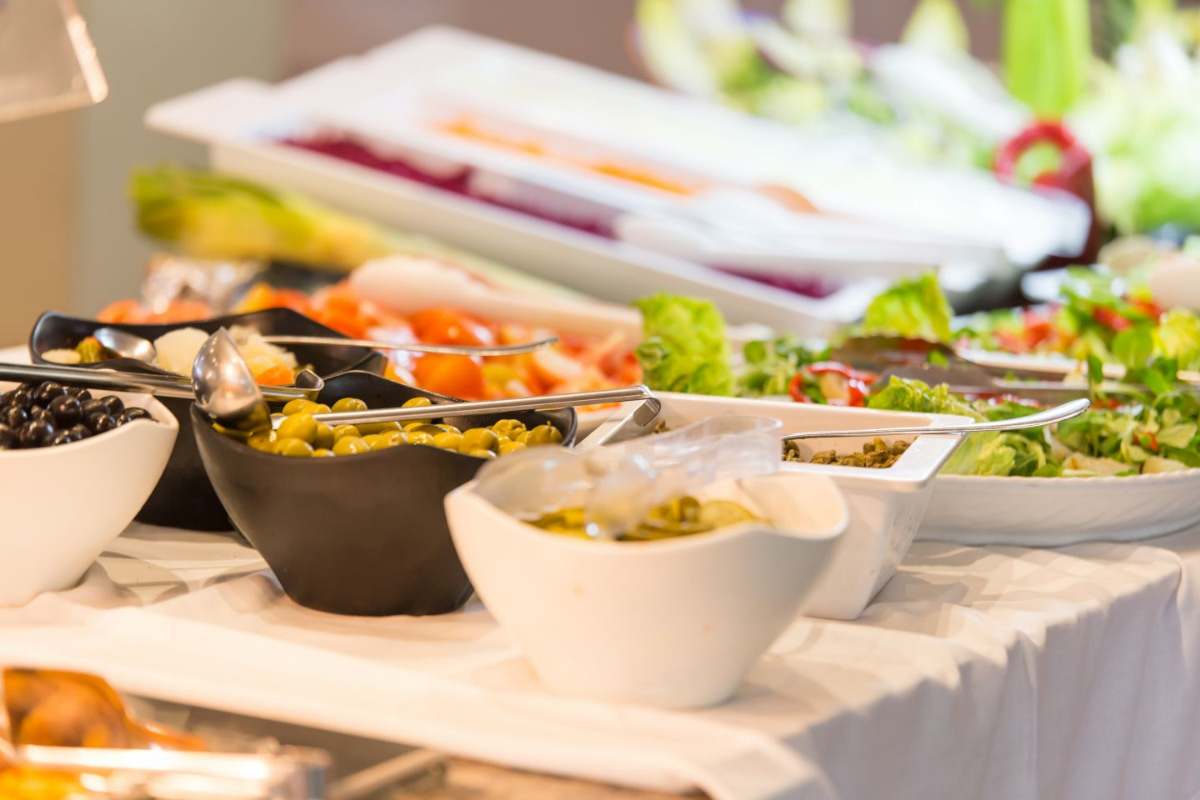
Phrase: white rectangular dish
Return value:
(245, 122)
(886, 505)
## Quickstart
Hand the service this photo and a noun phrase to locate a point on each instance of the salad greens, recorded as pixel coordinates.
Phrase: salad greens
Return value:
(771, 365)
(914, 308)
(684, 347)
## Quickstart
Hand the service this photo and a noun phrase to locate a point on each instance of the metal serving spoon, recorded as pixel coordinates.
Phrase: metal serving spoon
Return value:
(227, 393)
(308, 383)
(130, 345)
(1048, 417)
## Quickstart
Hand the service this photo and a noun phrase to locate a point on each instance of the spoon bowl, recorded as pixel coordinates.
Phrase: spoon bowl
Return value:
(225, 387)
(126, 344)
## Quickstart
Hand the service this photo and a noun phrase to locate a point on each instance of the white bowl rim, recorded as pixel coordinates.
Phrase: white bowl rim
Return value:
(160, 413)
(1163, 477)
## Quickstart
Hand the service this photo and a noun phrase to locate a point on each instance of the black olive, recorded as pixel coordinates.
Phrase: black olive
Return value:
(35, 434)
(79, 393)
(14, 416)
(39, 414)
(92, 406)
(67, 411)
(59, 437)
(112, 405)
(6, 399)
(100, 422)
(8, 438)
(130, 414)
(22, 397)
(45, 392)
(80, 432)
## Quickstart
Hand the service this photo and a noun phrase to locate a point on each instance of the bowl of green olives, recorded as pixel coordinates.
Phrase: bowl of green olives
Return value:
(351, 520)
(184, 498)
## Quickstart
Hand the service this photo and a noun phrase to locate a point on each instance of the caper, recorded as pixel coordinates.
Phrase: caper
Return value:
(293, 448)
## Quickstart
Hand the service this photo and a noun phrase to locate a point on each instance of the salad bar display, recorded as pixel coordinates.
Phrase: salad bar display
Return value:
(744, 411)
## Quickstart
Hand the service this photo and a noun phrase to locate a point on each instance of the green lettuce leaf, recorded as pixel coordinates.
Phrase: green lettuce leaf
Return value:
(913, 308)
(684, 348)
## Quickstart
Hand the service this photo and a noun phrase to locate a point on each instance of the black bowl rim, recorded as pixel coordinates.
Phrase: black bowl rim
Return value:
(201, 422)
(223, 321)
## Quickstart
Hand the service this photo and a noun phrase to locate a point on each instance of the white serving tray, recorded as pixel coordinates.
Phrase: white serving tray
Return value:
(886, 505)
(242, 120)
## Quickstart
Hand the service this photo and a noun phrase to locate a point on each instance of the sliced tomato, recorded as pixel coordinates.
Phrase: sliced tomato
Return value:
(443, 326)
(1110, 319)
(796, 388)
(275, 376)
(456, 376)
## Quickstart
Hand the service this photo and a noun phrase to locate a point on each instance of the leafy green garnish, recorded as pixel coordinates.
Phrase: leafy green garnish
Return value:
(914, 308)
(770, 365)
(684, 348)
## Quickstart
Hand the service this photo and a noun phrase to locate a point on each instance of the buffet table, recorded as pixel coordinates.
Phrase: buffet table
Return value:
(978, 672)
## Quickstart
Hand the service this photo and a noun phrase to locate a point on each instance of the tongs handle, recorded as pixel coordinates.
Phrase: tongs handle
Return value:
(116, 380)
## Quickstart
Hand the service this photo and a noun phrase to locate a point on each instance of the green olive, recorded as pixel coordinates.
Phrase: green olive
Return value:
(349, 404)
(508, 428)
(322, 452)
(417, 402)
(479, 439)
(509, 446)
(325, 437)
(395, 438)
(375, 441)
(297, 406)
(448, 428)
(263, 442)
(432, 430)
(417, 437)
(521, 437)
(481, 453)
(293, 448)
(350, 445)
(447, 440)
(300, 426)
(342, 431)
(543, 434)
(379, 427)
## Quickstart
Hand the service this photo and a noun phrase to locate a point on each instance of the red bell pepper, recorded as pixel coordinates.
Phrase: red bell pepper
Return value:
(1074, 174)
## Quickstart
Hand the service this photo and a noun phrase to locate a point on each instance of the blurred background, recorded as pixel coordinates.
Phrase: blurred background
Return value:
(64, 217)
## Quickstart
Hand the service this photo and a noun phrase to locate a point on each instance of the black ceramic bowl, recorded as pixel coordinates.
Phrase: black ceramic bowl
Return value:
(363, 534)
(184, 498)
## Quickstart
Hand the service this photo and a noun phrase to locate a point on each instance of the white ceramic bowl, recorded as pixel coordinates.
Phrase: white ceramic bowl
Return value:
(673, 623)
(1052, 512)
(886, 505)
(60, 506)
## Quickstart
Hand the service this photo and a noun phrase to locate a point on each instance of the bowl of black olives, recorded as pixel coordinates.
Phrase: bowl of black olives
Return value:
(106, 451)
(352, 521)
(184, 497)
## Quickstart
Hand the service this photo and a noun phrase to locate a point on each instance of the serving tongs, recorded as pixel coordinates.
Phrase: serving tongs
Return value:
(141, 759)
(308, 383)
(936, 364)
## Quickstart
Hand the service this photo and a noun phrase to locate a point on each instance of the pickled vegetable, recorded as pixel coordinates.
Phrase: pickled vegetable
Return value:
(876, 454)
(683, 516)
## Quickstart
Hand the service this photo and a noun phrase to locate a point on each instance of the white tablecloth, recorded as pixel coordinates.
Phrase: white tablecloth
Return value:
(990, 673)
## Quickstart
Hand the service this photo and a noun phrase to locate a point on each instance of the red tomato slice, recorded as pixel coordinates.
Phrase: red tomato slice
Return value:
(456, 376)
